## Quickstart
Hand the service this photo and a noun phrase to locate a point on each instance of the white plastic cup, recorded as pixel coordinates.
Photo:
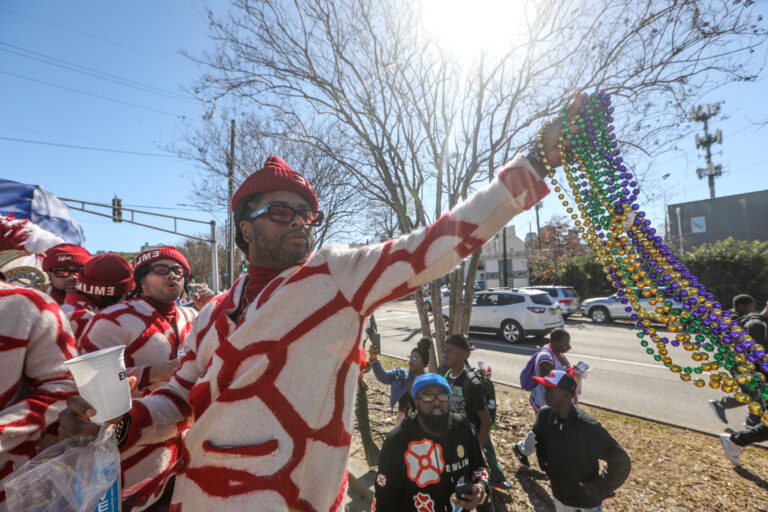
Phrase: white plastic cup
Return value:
(102, 380)
(481, 365)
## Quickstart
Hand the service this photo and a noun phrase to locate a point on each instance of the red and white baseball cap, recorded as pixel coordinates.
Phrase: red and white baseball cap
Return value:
(558, 379)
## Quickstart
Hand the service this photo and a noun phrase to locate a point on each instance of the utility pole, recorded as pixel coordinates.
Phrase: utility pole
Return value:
(705, 142)
(538, 227)
(230, 222)
(504, 256)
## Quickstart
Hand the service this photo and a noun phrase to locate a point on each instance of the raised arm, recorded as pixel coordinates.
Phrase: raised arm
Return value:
(372, 275)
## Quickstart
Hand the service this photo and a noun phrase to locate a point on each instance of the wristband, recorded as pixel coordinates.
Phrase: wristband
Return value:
(121, 430)
(538, 165)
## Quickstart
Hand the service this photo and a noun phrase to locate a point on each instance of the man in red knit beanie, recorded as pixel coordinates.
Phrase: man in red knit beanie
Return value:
(62, 263)
(271, 370)
(152, 328)
(105, 280)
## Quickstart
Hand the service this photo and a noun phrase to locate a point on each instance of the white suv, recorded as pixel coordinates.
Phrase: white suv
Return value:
(569, 299)
(514, 314)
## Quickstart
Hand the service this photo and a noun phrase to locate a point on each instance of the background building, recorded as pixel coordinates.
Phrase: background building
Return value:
(491, 266)
(741, 216)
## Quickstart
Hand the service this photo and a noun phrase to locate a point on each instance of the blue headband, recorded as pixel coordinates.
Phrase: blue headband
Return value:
(430, 379)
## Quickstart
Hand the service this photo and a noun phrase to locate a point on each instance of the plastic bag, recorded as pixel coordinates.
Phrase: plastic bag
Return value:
(71, 476)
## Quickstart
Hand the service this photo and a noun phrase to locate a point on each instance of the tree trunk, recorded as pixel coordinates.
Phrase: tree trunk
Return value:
(372, 450)
(426, 331)
(469, 290)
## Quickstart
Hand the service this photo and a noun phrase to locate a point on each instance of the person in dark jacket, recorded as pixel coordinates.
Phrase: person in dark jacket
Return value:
(399, 378)
(570, 445)
(429, 455)
(756, 325)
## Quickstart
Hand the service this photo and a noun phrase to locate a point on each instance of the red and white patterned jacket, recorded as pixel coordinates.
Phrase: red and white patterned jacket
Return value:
(79, 310)
(35, 340)
(149, 340)
(272, 397)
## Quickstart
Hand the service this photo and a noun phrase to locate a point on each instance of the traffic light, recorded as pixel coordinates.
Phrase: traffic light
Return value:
(117, 209)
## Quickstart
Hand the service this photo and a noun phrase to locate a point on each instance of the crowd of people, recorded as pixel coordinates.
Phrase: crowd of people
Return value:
(245, 402)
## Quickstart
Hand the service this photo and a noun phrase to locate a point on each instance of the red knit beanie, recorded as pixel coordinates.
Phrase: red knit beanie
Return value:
(161, 253)
(106, 275)
(275, 175)
(65, 255)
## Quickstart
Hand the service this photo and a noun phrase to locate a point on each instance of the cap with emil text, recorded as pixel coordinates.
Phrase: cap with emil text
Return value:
(106, 275)
(160, 253)
(558, 379)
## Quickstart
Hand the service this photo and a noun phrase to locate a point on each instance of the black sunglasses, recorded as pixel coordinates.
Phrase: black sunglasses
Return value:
(65, 272)
(441, 397)
(162, 269)
(283, 214)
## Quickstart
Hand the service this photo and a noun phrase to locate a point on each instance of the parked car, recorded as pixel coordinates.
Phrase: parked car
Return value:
(445, 296)
(514, 314)
(566, 296)
(607, 309)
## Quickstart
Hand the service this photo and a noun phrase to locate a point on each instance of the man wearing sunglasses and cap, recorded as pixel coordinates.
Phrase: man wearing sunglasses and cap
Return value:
(271, 368)
(152, 328)
(570, 445)
(431, 453)
(62, 263)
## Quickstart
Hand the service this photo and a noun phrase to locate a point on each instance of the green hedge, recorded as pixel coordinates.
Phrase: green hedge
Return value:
(730, 267)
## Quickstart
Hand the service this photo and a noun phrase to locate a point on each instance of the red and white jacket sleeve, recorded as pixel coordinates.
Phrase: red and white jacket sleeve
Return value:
(42, 332)
(376, 274)
(167, 411)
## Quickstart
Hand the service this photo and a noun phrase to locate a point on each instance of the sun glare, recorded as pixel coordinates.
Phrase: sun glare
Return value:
(466, 28)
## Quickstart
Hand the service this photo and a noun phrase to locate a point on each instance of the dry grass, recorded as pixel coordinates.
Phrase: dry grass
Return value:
(672, 468)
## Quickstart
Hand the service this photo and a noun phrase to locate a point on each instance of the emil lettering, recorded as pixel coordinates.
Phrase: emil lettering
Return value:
(122, 375)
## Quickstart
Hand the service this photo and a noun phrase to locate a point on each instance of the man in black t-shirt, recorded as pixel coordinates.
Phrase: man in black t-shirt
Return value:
(468, 400)
(428, 455)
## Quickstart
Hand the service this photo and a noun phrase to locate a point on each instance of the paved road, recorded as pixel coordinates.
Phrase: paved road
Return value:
(622, 376)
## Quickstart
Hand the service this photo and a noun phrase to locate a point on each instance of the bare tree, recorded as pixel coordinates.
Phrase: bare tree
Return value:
(208, 146)
(362, 84)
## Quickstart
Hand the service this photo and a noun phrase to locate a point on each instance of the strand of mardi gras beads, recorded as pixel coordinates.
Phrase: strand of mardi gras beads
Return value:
(638, 263)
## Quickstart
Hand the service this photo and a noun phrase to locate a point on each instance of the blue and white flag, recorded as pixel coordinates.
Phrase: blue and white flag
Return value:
(40, 207)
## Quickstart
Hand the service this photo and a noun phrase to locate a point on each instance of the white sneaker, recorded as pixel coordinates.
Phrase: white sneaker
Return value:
(732, 450)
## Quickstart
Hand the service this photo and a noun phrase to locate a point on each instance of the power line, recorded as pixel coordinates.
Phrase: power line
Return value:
(71, 66)
(62, 27)
(107, 98)
(90, 148)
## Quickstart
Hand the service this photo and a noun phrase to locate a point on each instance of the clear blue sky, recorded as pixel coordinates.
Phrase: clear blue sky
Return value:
(140, 41)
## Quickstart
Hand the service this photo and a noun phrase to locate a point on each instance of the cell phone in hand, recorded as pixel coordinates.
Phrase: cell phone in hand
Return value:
(464, 489)
(376, 341)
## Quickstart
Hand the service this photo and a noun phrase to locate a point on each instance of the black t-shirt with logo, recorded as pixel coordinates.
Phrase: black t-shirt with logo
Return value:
(467, 397)
(419, 472)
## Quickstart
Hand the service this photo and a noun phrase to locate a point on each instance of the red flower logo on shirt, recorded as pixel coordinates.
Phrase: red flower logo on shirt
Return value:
(424, 460)
(424, 503)
(381, 480)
